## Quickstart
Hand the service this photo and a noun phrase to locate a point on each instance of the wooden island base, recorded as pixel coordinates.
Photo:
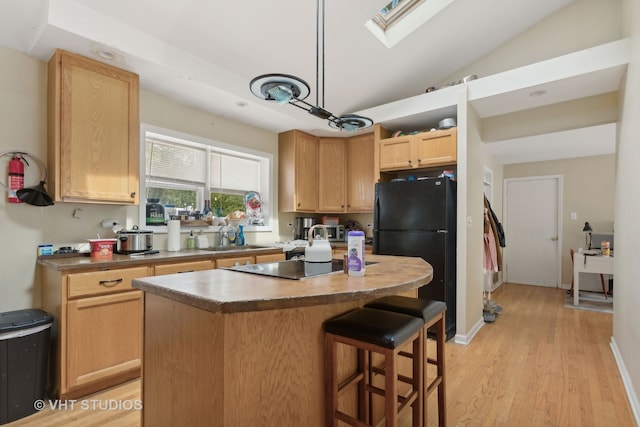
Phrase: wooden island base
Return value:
(247, 368)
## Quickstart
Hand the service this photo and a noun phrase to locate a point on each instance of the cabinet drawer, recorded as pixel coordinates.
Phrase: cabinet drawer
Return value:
(230, 262)
(183, 267)
(103, 282)
(270, 258)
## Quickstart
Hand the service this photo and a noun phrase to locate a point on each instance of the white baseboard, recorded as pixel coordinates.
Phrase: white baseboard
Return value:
(626, 380)
(465, 339)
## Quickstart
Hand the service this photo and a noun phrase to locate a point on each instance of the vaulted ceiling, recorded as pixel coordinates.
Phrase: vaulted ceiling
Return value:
(204, 53)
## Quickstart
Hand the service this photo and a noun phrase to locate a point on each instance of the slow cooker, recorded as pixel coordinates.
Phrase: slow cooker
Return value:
(134, 240)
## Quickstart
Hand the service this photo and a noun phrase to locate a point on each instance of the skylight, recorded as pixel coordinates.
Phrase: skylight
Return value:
(400, 18)
(394, 11)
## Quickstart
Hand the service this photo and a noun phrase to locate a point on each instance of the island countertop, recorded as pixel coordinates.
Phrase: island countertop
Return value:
(227, 291)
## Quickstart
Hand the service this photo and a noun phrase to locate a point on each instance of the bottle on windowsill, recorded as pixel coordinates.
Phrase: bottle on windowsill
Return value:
(206, 211)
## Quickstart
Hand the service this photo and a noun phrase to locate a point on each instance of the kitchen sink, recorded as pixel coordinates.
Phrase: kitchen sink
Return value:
(236, 248)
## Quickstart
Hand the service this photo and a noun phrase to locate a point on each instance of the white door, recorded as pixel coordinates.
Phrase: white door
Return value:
(532, 230)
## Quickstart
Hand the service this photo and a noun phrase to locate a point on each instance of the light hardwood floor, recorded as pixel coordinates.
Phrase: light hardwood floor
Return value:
(539, 364)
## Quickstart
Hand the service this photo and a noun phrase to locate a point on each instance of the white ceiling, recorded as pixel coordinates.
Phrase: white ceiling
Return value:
(205, 52)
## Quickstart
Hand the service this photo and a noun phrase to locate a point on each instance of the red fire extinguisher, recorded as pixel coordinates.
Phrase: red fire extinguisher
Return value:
(16, 177)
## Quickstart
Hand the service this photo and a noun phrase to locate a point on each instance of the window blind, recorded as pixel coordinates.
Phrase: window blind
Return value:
(168, 160)
(234, 173)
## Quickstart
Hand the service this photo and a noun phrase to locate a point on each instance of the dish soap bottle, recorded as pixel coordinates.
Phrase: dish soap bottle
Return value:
(191, 241)
(240, 236)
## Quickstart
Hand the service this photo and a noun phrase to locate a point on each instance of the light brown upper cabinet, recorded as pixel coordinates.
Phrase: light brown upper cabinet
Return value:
(93, 131)
(360, 178)
(437, 148)
(421, 150)
(340, 181)
(332, 173)
(298, 172)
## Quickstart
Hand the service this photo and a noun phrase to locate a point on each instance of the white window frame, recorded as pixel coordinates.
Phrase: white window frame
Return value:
(266, 174)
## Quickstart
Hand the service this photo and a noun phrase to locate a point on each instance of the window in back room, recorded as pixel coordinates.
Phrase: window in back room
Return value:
(183, 174)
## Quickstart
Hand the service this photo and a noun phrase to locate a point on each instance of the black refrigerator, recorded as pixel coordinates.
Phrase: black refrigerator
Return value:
(418, 218)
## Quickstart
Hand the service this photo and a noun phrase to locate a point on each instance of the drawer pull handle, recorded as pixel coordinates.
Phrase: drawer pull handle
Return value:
(186, 271)
(109, 283)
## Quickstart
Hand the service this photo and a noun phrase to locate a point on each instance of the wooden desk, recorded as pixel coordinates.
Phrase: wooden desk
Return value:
(589, 264)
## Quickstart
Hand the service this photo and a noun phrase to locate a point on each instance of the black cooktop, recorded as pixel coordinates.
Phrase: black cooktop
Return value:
(292, 269)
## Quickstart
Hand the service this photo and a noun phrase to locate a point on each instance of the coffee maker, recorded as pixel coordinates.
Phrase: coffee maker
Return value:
(302, 226)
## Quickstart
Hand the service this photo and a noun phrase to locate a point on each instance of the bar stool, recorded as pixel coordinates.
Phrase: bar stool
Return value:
(378, 331)
(432, 313)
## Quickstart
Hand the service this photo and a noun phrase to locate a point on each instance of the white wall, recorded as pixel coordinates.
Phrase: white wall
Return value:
(626, 315)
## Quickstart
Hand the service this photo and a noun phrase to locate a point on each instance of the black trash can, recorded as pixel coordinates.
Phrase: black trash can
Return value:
(24, 354)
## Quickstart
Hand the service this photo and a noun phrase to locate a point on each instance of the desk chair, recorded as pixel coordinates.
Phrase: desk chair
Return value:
(570, 292)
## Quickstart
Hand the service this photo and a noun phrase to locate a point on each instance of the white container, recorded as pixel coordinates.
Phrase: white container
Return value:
(355, 253)
(173, 232)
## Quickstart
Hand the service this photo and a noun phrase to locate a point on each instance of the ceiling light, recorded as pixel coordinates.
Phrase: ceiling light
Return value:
(287, 89)
(281, 88)
(107, 55)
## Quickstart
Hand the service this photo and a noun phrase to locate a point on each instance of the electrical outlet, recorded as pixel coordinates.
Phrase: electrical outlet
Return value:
(77, 213)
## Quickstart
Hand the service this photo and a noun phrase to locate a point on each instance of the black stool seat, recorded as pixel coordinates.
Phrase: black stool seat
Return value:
(387, 335)
(384, 328)
(423, 308)
(432, 314)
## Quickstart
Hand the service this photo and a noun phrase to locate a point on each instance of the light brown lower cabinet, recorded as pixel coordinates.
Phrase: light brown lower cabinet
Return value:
(243, 260)
(98, 328)
(270, 258)
(183, 267)
(104, 338)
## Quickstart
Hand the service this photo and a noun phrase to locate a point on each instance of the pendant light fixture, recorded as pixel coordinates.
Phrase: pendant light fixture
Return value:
(287, 89)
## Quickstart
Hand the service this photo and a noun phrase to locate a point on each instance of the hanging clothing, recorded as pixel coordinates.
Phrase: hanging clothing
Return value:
(490, 247)
(497, 227)
(496, 230)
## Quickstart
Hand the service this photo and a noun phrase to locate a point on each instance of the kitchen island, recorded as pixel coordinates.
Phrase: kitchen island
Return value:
(226, 348)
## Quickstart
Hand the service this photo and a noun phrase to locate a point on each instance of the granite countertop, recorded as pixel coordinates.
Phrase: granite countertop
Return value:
(85, 262)
(227, 291)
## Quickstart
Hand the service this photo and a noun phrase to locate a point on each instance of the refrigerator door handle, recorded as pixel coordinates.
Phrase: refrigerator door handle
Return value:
(443, 231)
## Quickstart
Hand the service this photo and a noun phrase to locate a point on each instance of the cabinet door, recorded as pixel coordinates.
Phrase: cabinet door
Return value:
(396, 153)
(332, 156)
(436, 148)
(360, 173)
(104, 338)
(183, 267)
(297, 172)
(306, 166)
(97, 130)
(230, 262)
